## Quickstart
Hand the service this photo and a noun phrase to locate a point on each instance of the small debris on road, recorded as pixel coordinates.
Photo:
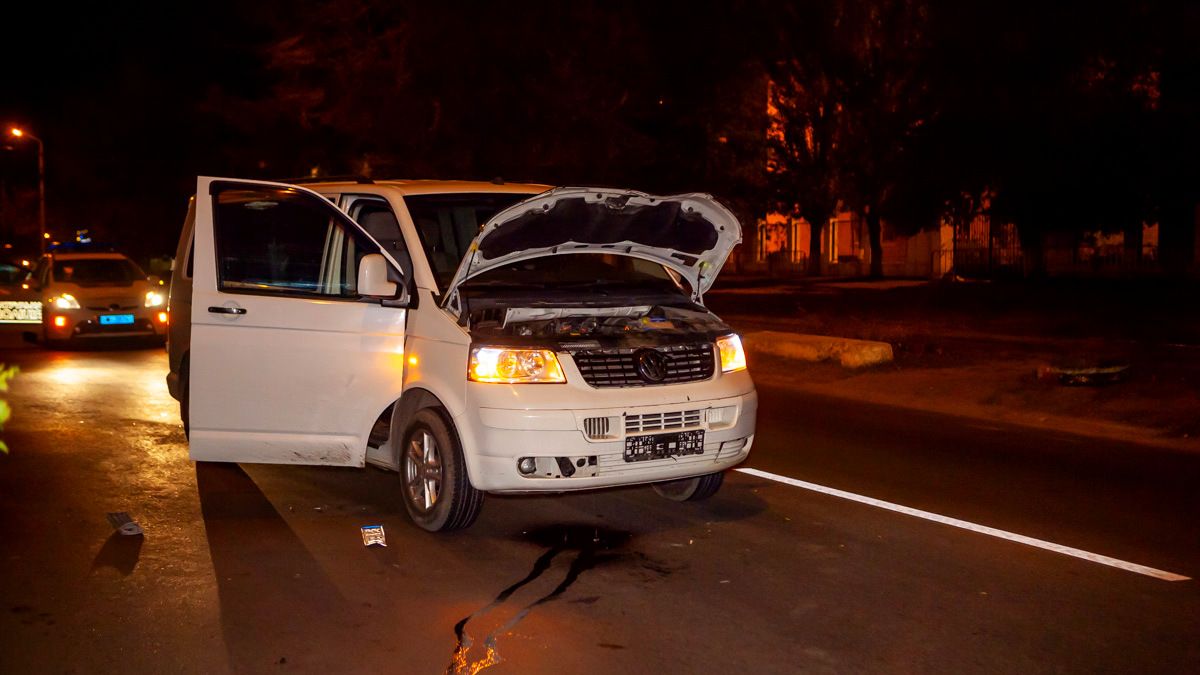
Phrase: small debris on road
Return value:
(373, 535)
(1084, 374)
(121, 522)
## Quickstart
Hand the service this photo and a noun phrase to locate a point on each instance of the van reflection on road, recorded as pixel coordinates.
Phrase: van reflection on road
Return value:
(277, 604)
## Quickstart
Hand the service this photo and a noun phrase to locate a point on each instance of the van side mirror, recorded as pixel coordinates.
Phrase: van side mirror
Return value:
(373, 277)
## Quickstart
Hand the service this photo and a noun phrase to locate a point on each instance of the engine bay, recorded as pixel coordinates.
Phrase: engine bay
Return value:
(591, 327)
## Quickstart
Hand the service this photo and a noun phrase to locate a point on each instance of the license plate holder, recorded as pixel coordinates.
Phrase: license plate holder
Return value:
(116, 319)
(661, 446)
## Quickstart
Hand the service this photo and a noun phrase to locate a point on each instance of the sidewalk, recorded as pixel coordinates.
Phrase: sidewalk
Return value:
(957, 358)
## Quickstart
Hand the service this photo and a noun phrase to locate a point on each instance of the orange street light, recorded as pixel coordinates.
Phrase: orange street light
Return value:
(20, 133)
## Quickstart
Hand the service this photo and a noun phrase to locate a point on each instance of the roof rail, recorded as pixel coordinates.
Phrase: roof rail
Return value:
(356, 178)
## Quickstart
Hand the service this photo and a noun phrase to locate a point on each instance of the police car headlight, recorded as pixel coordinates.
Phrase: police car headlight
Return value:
(155, 299)
(65, 301)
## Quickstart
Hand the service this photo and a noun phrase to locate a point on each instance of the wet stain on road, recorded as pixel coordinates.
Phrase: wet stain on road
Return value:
(592, 546)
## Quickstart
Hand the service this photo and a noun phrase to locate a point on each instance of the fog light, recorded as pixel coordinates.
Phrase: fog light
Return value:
(60, 321)
(527, 465)
(162, 317)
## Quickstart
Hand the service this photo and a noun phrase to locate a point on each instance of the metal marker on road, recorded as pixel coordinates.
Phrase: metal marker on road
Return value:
(966, 525)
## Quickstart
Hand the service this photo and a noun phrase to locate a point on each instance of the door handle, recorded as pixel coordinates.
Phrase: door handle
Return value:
(227, 310)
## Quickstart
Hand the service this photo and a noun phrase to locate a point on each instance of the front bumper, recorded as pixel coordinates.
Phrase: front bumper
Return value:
(86, 324)
(494, 439)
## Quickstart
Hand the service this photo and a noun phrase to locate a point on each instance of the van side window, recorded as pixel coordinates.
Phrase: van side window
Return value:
(282, 241)
(446, 224)
(377, 218)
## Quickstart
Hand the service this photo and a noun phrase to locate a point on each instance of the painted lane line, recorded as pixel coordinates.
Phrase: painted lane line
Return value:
(966, 525)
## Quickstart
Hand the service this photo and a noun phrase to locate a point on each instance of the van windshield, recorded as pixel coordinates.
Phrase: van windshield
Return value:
(447, 223)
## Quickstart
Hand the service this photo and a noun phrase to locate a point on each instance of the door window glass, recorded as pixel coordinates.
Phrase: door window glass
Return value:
(281, 240)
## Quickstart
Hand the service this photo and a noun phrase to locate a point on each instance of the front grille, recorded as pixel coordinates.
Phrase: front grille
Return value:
(618, 367)
(680, 419)
(596, 427)
(110, 308)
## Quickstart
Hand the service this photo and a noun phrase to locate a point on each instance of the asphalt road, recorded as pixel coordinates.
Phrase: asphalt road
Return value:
(262, 568)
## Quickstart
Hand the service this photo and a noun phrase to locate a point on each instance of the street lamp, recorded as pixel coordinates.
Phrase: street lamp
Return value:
(21, 133)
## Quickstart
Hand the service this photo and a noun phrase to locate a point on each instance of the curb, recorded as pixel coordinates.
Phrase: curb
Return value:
(849, 353)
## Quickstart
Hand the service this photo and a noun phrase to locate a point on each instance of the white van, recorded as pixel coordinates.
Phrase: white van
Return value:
(475, 337)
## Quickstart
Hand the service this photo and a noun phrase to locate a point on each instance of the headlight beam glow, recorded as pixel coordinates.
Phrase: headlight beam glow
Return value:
(65, 301)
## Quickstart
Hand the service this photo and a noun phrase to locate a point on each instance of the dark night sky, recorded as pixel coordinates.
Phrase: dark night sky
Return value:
(112, 90)
(135, 99)
(123, 96)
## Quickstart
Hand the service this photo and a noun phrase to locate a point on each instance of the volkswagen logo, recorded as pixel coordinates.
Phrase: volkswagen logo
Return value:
(651, 365)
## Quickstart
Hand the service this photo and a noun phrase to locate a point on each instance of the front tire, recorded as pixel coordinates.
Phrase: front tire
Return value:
(690, 489)
(433, 475)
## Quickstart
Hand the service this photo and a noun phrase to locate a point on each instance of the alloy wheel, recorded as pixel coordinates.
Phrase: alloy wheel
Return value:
(423, 470)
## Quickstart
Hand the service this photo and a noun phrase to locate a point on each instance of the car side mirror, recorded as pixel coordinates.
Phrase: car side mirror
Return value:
(373, 277)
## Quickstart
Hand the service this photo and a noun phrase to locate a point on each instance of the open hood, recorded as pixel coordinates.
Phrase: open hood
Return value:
(690, 233)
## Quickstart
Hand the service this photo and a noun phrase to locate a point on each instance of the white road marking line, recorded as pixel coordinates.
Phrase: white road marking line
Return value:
(966, 525)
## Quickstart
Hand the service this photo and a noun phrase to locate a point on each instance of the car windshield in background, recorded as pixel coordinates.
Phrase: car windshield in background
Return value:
(580, 270)
(97, 271)
(447, 223)
(10, 275)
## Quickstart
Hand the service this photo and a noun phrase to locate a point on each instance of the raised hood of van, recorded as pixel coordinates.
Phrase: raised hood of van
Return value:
(692, 234)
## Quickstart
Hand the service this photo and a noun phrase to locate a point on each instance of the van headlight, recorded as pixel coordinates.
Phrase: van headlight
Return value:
(65, 301)
(512, 366)
(155, 299)
(733, 357)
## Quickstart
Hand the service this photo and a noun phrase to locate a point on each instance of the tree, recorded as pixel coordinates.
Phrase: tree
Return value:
(806, 97)
(888, 106)
(1053, 111)
(849, 99)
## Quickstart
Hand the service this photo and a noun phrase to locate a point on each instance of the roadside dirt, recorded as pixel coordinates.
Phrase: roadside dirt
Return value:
(953, 356)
